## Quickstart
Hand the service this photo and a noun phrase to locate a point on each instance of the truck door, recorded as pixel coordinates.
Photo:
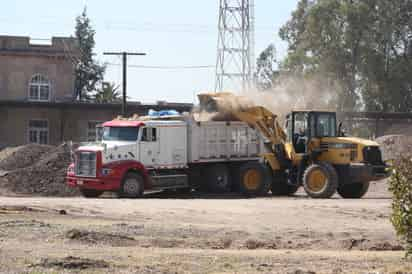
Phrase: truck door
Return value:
(149, 146)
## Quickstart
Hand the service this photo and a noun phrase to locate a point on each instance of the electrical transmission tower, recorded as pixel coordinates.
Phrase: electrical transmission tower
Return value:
(235, 50)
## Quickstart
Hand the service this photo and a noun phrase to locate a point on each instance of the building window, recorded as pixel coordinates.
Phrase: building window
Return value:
(39, 132)
(92, 128)
(39, 88)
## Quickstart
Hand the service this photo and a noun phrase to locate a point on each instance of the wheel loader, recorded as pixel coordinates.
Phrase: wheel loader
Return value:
(310, 151)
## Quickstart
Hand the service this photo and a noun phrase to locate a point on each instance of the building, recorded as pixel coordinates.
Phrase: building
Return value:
(37, 95)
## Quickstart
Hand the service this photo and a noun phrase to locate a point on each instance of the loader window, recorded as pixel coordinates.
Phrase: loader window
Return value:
(300, 132)
(326, 125)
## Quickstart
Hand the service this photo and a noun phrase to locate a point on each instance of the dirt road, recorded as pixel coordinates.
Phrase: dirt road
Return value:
(166, 234)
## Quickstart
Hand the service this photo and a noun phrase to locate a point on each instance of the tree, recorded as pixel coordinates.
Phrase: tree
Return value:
(362, 44)
(401, 188)
(265, 69)
(109, 93)
(88, 71)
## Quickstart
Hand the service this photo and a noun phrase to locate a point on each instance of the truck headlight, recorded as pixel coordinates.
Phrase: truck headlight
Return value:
(106, 171)
(70, 169)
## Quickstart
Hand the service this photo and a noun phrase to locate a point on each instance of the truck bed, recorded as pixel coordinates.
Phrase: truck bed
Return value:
(222, 141)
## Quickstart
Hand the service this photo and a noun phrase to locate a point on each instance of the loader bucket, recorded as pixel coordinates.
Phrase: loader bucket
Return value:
(223, 102)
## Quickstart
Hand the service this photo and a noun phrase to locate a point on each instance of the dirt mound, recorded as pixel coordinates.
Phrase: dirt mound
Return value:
(365, 244)
(36, 169)
(72, 263)
(22, 156)
(395, 146)
(93, 237)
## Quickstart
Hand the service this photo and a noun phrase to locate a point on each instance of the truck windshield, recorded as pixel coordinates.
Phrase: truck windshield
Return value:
(120, 134)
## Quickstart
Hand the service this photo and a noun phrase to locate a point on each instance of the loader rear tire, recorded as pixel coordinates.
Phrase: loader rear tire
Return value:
(217, 178)
(255, 179)
(320, 180)
(354, 190)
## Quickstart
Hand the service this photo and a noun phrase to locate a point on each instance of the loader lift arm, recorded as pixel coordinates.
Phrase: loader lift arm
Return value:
(257, 117)
(238, 107)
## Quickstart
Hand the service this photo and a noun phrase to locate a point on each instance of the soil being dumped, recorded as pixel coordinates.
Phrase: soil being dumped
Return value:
(35, 170)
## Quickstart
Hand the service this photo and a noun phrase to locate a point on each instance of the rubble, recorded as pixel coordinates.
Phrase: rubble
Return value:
(23, 156)
(35, 170)
(395, 146)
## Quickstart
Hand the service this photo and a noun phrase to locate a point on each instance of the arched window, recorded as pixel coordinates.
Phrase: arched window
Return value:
(39, 88)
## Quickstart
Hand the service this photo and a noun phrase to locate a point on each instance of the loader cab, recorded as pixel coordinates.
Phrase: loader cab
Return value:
(302, 126)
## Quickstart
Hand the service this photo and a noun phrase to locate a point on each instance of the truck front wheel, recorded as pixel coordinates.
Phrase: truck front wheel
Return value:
(90, 193)
(132, 186)
(354, 190)
(255, 179)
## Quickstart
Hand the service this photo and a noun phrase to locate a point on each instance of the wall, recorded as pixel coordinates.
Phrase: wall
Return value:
(67, 121)
(20, 60)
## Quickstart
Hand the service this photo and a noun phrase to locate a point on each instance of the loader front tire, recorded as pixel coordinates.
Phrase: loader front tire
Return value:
(320, 180)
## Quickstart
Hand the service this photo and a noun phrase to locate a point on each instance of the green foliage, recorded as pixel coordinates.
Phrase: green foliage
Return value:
(89, 72)
(401, 187)
(109, 93)
(365, 45)
(265, 68)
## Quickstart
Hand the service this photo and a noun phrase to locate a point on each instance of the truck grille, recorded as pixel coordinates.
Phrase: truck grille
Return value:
(372, 155)
(85, 164)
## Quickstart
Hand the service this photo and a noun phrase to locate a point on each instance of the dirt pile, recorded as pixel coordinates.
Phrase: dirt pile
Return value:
(35, 169)
(22, 156)
(93, 237)
(395, 146)
(71, 263)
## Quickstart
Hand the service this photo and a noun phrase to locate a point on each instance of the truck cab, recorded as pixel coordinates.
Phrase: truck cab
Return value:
(126, 145)
(152, 143)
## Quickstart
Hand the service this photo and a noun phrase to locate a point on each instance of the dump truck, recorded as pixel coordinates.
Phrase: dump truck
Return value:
(241, 148)
(171, 152)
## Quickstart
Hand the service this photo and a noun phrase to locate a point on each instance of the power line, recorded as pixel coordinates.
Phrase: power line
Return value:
(136, 27)
(124, 56)
(164, 67)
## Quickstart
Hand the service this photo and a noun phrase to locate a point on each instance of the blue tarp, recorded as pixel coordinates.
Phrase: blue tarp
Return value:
(161, 113)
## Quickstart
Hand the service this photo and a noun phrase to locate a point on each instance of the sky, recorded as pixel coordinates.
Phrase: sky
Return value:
(172, 33)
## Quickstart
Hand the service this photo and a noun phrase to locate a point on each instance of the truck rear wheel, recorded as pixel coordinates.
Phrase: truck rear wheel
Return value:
(132, 186)
(254, 179)
(354, 190)
(320, 180)
(90, 193)
(217, 178)
(280, 186)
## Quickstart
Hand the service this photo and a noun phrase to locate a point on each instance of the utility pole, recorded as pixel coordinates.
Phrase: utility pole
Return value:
(124, 64)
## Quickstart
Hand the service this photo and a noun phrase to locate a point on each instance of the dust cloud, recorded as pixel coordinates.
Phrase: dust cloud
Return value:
(292, 93)
(289, 93)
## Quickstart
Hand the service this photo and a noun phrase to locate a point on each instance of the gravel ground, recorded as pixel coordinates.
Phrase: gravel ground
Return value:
(200, 234)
